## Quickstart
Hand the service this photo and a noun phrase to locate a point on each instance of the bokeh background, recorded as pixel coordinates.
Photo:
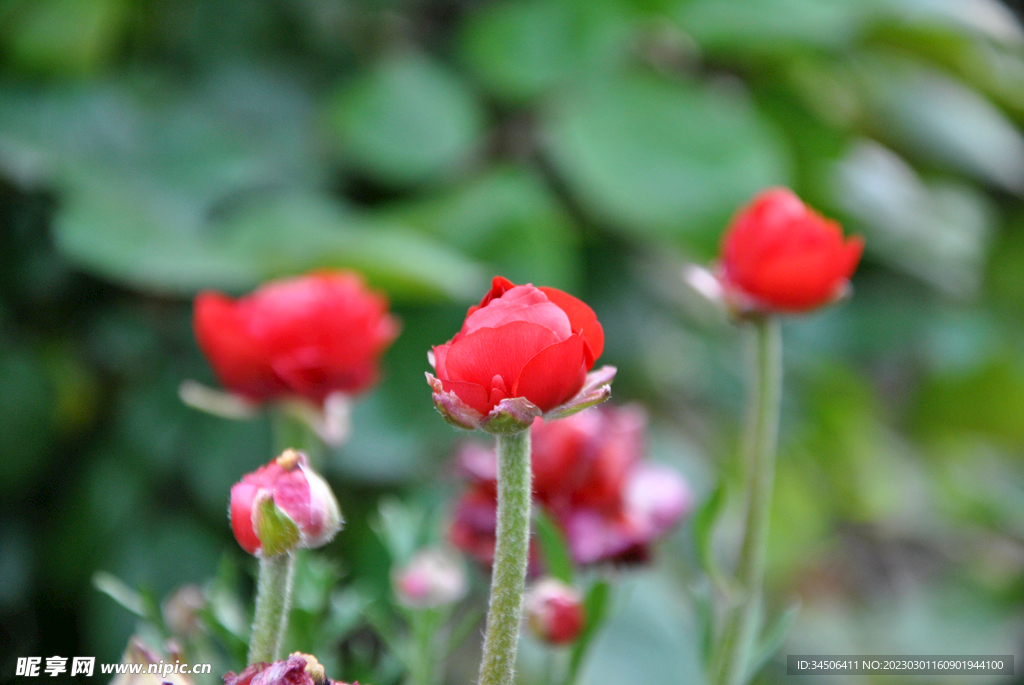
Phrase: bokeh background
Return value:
(153, 148)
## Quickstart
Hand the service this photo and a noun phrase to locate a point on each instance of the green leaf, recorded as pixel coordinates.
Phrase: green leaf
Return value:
(941, 120)
(773, 639)
(508, 218)
(704, 521)
(520, 49)
(120, 592)
(767, 27)
(63, 36)
(937, 232)
(180, 193)
(554, 548)
(659, 159)
(158, 243)
(595, 605)
(406, 121)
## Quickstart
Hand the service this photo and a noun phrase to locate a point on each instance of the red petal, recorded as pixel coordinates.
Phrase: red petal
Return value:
(499, 286)
(471, 393)
(503, 351)
(522, 303)
(242, 496)
(852, 252)
(440, 353)
(581, 318)
(554, 374)
(240, 361)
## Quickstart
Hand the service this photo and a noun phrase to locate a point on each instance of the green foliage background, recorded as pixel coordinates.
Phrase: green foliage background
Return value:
(153, 148)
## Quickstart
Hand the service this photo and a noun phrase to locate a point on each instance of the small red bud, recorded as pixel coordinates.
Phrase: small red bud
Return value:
(555, 611)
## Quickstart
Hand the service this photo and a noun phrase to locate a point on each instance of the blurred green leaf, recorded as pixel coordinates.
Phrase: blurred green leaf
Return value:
(941, 120)
(520, 49)
(938, 232)
(649, 640)
(658, 159)
(773, 26)
(160, 244)
(406, 120)
(508, 218)
(553, 547)
(595, 612)
(63, 36)
(704, 521)
(120, 592)
(27, 413)
(987, 399)
(773, 639)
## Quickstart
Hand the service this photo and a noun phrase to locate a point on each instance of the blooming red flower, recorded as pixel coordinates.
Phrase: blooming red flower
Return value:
(554, 611)
(520, 342)
(309, 336)
(779, 255)
(297, 493)
(297, 669)
(589, 476)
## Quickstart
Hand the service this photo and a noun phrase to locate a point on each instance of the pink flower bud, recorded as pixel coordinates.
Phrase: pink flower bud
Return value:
(283, 506)
(555, 611)
(431, 579)
(297, 669)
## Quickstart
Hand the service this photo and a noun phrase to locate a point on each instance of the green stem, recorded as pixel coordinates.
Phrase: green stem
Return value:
(742, 616)
(511, 553)
(423, 669)
(273, 600)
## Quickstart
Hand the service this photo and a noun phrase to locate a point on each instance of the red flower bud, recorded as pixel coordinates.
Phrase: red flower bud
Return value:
(308, 337)
(297, 669)
(522, 351)
(779, 255)
(283, 506)
(554, 611)
(589, 475)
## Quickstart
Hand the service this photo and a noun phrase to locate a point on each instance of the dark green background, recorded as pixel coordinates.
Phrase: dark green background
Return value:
(153, 148)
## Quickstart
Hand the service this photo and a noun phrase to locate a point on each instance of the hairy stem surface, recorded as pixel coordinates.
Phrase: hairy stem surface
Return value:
(510, 559)
(273, 600)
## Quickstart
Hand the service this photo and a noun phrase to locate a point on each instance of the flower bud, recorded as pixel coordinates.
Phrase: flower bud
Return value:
(554, 611)
(780, 256)
(431, 579)
(522, 352)
(283, 506)
(297, 669)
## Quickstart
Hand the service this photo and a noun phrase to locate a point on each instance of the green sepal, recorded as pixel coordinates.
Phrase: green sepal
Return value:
(277, 532)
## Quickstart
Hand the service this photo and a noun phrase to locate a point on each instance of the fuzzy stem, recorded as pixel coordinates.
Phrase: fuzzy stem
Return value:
(273, 600)
(742, 618)
(511, 553)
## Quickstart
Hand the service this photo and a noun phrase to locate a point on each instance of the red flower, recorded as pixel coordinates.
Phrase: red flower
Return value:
(779, 255)
(304, 512)
(297, 669)
(589, 476)
(554, 611)
(308, 336)
(519, 342)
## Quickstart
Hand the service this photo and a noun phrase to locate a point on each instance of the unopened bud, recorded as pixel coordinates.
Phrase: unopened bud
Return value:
(283, 506)
(431, 579)
(554, 611)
